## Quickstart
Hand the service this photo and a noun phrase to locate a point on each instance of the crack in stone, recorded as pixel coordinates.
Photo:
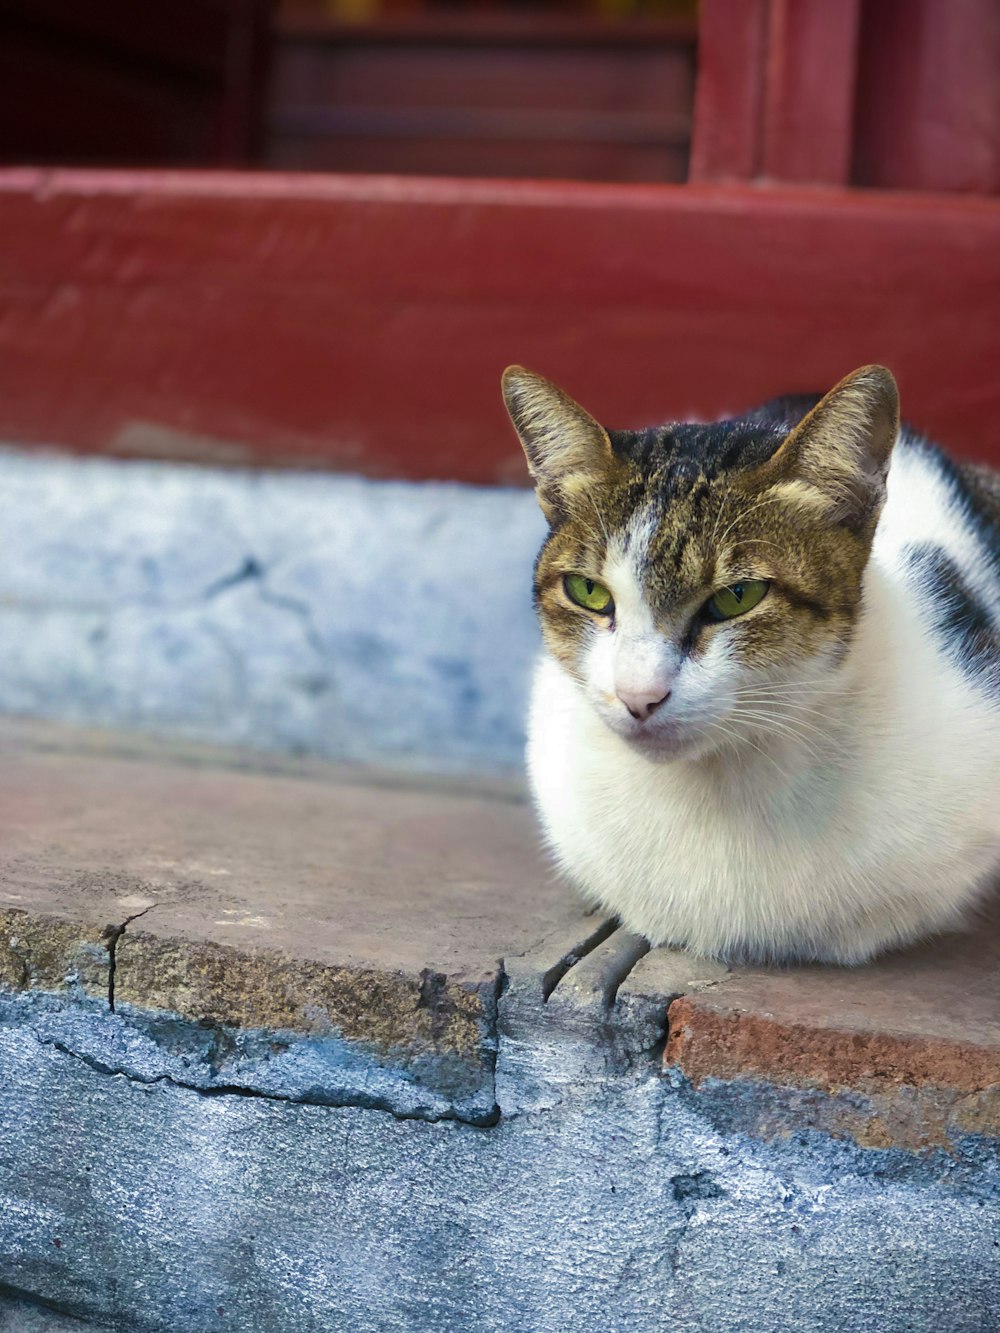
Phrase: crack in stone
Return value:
(553, 975)
(500, 986)
(616, 977)
(39, 1303)
(250, 571)
(361, 1101)
(301, 610)
(111, 935)
(255, 571)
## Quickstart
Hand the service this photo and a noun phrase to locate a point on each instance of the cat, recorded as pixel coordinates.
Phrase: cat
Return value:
(765, 726)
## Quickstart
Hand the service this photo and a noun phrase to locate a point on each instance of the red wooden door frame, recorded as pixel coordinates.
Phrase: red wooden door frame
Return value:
(775, 91)
(928, 107)
(903, 94)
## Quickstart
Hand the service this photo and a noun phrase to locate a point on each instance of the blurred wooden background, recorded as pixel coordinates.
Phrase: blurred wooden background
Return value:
(899, 94)
(780, 190)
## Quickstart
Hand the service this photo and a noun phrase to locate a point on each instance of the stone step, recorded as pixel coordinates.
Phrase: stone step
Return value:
(286, 1046)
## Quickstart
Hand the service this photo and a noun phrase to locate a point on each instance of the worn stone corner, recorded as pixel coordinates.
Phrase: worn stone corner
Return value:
(776, 1080)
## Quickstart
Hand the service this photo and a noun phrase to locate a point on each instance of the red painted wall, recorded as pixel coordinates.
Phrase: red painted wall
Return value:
(363, 322)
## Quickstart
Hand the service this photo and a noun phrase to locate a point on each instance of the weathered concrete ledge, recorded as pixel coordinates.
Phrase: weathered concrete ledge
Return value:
(287, 1047)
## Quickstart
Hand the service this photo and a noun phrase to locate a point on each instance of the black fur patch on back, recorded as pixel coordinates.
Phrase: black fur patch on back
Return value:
(968, 631)
(976, 491)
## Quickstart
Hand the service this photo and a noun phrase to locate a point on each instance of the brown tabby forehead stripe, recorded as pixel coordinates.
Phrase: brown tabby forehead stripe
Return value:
(705, 506)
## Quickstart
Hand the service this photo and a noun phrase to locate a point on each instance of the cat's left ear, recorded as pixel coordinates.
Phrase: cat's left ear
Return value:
(566, 449)
(839, 453)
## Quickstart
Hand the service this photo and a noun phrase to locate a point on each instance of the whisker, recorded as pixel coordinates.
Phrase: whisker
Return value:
(775, 701)
(787, 727)
(803, 701)
(761, 504)
(823, 684)
(758, 541)
(600, 518)
(746, 740)
(799, 716)
(779, 706)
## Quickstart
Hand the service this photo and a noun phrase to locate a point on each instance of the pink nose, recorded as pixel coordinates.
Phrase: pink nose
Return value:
(640, 703)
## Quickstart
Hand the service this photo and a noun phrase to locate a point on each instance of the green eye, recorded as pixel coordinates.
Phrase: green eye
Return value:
(587, 593)
(733, 601)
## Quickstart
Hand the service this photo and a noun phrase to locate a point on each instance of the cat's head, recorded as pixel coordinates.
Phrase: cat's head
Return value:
(693, 575)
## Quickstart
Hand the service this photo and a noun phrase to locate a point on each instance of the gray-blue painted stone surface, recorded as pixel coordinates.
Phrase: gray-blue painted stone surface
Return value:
(605, 1199)
(298, 612)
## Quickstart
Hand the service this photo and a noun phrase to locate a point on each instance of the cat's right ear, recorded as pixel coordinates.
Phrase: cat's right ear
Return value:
(566, 449)
(839, 452)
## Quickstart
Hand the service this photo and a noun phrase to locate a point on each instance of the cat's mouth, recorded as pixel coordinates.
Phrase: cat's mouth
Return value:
(666, 741)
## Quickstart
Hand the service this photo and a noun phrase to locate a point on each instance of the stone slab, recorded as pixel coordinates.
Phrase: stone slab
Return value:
(358, 915)
(614, 1207)
(335, 868)
(372, 920)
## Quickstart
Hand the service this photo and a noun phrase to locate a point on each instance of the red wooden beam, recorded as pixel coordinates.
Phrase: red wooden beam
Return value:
(362, 323)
